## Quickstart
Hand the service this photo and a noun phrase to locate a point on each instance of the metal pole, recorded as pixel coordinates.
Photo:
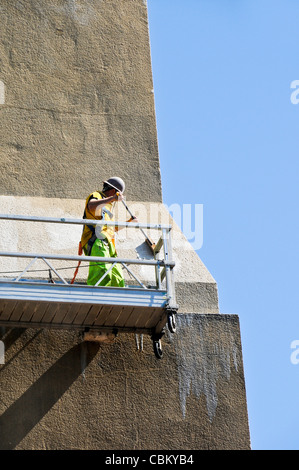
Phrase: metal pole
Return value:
(167, 268)
(88, 259)
(62, 220)
(57, 274)
(26, 269)
(133, 275)
(105, 274)
(171, 273)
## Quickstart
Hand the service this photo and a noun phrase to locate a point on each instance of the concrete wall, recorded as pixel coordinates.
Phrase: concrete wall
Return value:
(60, 393)
(79, 98)
(78, 107)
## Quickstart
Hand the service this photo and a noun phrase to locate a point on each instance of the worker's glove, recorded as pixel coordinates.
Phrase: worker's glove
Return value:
(119, 196)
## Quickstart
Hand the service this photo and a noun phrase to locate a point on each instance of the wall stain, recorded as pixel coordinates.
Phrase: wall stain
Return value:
(203, 357)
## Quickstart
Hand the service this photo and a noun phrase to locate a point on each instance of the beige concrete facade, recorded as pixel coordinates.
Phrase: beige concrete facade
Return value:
(78, 96)
(78, 107)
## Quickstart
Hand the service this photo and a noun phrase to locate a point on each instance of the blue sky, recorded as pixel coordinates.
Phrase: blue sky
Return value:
(228, 139)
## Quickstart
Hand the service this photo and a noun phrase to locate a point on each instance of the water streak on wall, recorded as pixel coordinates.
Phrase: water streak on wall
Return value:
(202, 362)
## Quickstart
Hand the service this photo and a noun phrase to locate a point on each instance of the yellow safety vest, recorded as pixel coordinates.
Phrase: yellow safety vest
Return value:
(105, 214)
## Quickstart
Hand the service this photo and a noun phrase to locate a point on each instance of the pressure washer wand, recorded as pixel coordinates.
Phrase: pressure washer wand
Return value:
(150, 243)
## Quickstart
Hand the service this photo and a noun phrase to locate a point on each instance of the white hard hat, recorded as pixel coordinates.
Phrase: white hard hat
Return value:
(116, 183)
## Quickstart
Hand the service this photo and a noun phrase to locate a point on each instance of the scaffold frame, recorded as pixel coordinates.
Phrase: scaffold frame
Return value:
(42, 303)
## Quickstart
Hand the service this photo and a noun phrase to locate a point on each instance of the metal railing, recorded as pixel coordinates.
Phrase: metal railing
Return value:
(163, 267)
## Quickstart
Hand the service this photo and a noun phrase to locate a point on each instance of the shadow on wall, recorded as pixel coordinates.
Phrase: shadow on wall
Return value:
(11, 336)
(18, 420)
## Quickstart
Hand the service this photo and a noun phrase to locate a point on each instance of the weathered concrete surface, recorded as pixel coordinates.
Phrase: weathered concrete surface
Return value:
(77, 105)
(60, 393)
(79, 98)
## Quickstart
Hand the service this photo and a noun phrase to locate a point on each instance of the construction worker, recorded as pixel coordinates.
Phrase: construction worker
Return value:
(99, 240)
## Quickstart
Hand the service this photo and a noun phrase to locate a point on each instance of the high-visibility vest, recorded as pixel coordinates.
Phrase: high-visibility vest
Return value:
(105, 213)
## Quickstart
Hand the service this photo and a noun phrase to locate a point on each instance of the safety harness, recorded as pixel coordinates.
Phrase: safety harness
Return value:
(88, 247)
(92, 239)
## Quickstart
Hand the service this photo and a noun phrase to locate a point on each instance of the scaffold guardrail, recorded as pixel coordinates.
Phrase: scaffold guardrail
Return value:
(157, 300)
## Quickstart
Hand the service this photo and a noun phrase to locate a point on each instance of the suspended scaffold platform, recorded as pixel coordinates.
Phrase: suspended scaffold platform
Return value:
(56, 302)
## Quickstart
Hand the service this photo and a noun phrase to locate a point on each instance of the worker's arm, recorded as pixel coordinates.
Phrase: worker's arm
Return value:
(96, 204)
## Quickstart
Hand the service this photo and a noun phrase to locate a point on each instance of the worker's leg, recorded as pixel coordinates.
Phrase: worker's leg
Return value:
(117, 278)
(114, 278)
